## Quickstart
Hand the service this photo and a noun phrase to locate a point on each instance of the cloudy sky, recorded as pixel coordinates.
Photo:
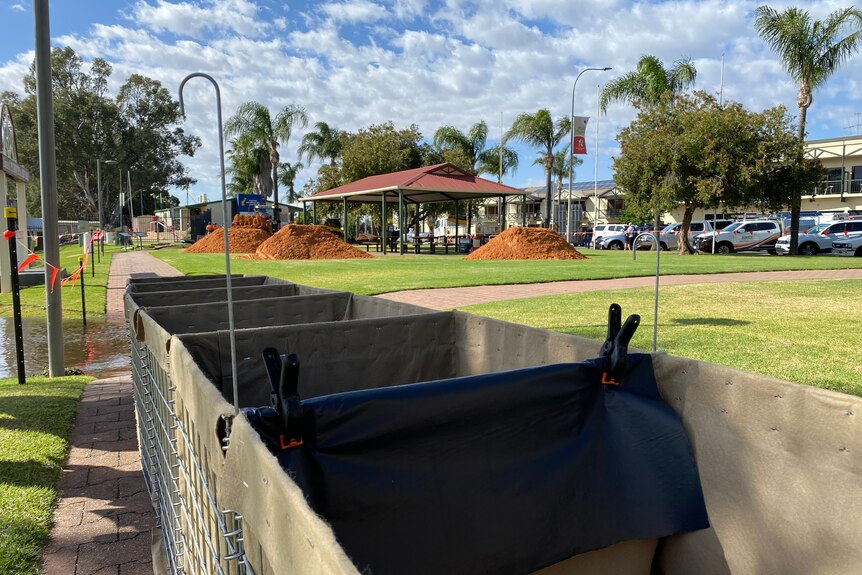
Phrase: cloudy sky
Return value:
(353, 63)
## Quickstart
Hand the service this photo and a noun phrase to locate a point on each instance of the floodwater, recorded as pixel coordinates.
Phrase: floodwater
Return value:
(100, 349)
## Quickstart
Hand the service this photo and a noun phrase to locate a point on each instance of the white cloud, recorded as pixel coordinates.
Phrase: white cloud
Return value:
(17, 8)
(354, 11)
(439, 62)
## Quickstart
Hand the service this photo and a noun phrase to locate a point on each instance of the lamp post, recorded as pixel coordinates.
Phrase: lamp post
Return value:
(569, 236)
(99, 195)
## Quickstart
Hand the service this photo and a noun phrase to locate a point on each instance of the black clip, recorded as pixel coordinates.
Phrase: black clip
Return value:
(284, 397)
(615, 349)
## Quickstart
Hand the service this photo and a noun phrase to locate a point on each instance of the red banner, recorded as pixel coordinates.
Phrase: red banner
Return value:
(579, 132)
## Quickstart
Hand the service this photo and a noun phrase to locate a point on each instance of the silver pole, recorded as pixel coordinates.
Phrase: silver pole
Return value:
(226, 228)
(572, 152)
(596, 163)
(48, 182)
(131, 203)
(99, 195)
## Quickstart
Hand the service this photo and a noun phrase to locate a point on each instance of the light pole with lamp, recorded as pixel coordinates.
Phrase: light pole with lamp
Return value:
(569, 236)
(99, 195)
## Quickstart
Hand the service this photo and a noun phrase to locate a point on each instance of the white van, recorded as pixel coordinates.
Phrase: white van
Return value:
(605, 229)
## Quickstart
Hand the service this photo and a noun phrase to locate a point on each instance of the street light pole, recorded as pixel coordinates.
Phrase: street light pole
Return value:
(569, 236)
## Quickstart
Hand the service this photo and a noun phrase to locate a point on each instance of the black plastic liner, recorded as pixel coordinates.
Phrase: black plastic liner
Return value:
(503, 473)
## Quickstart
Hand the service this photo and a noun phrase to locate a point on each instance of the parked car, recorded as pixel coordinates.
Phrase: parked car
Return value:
(617, 241)
(744, 236)
(669, 236)
(851, 246)
(819, 238)
(604, 229)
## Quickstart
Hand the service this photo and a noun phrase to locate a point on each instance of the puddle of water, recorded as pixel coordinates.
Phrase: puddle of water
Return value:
(100, 349)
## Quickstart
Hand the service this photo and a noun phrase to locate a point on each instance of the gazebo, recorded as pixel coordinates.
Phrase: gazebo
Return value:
(439, 183)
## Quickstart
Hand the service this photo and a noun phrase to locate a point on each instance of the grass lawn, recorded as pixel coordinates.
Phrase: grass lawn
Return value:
(95, 288)
(799, 331)
(392, 273)
(35, 423)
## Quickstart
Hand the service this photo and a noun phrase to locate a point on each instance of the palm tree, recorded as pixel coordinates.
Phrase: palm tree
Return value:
(540, 131)
(471, 146)
(252, 120)
(649, 83)
(249, 167)
(324, 143)
(562, 160)
(810, 51)
(287, 175)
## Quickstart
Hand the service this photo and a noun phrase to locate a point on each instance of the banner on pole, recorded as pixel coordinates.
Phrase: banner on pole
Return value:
(579, 132)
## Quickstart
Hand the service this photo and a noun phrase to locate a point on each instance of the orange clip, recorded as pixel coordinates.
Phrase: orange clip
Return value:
(608, 381)
(292, 443)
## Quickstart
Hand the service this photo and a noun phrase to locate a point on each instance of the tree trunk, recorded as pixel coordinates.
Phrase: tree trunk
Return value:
(796, 199)
(684, 246)
(276, 218)
(549, 196)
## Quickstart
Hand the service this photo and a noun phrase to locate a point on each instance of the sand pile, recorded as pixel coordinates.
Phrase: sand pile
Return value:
(302, 242)
(527, 244)
(241, 239)
(253, 221)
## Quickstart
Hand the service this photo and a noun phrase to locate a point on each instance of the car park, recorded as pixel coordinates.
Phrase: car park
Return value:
(819, 238)
(849, 246)
(751, 235)
(669, 236)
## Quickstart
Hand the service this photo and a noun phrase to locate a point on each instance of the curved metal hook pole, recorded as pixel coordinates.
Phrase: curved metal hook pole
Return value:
(225, 227)
(657, 245)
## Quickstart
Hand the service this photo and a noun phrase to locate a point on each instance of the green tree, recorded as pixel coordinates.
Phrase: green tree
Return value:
(540, 131)
(252, 120)
(380, 149)
(649, 82)
(139, 129)
(810, 51)
(691, 151)
(324, 143)
(467, 151)
(248, 167)
(287, 176)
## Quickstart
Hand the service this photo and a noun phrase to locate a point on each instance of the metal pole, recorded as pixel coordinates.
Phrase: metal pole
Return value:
(226, 228)
(572, 151)
(131, 203)
(99, 194)
(48, 182)
(11, 221)
(83, 297)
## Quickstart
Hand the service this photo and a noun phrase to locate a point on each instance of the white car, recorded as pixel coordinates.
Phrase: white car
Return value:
(617, 241)
(819, 238)
(851, 246)
(606, 229)
(741, 237)
(669, 236)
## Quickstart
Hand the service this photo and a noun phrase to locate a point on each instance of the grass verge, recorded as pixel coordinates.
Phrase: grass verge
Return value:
(35, 424)
(95, 287)
(393, 273)
(796, 331)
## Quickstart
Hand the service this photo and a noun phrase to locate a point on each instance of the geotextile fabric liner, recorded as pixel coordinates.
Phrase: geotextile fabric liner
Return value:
(502, 473)
(778, 462)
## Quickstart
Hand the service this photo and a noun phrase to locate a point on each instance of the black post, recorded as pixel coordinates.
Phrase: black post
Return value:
(83, 298)
(11, 218)
(92, 260)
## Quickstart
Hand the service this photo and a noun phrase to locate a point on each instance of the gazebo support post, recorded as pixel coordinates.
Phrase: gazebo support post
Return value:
(524, 210)
(503, 213)
(402, 249)
(457, 216)
(344, 218)
(384, 231)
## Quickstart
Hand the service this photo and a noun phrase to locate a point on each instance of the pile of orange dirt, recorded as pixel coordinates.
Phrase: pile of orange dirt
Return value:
(303, 242)
(527, 244)
(241, 240)
(253, 221)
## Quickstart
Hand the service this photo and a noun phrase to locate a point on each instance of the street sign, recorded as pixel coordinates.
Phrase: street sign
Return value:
(246, 203)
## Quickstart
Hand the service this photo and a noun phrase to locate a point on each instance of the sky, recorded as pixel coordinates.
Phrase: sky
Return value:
(353, 63)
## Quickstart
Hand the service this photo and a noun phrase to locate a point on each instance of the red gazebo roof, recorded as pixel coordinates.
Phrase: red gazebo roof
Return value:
(440, 183)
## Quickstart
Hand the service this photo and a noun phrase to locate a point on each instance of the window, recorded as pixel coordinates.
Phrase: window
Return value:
(696, 227)
(854, 227)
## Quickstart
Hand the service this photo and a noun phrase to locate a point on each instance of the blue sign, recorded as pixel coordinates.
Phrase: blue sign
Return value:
(248, 202)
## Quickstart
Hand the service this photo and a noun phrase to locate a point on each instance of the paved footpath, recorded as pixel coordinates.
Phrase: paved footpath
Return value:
(449, 298)
(104, 515)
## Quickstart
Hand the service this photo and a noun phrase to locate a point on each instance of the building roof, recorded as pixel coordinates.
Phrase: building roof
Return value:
(439, 183)
(579, 189)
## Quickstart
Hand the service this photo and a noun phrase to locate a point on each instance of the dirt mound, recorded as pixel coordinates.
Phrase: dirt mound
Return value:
(521, 243)
(253, 221)
(242, 240)
(302, 242)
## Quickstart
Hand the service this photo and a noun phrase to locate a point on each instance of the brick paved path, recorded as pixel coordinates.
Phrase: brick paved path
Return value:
(104, 515)
(449, 298)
